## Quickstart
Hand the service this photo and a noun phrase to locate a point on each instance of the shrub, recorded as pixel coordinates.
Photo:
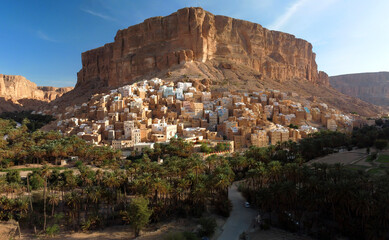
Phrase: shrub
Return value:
(92, 223)
(137, 214)
(205, 148)
(207, 227)
(223, 207)
(380, 144)
(181, 236)
(36, 181)
(52, 230)
(293, 126)
(222, 147)
(13, 176)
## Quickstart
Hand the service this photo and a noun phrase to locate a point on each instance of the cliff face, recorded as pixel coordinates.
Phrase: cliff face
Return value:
(18, 87)
(195, 35)
(370, 87)
(18, 93)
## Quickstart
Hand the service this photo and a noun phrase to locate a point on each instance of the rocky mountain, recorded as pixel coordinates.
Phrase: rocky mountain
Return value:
(370, 87)
(193, 34)
(17, 93)
(194, 44)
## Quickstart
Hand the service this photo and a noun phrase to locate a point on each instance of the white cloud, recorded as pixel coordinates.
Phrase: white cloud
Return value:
(105, 17)
(44, 36)
(284, 18)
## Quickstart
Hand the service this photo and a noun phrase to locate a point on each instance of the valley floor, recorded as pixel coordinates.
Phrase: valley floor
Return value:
(125, 232)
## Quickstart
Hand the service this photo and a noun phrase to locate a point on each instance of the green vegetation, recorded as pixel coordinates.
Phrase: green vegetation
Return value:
(340, 200)
(181, 236)
(293, 126)
(323, 143)
(383, 159)
(134, 191)
(205, 148)
(220, 147)
(13, 176)
(137, 214)
(32, 121)
(207, 227)
(25, 147)
(367, 136)
(321, 200)
(381, 144)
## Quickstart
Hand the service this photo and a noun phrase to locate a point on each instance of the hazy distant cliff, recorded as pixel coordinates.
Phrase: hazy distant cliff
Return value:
(17, 92)
(370, 87)
(193, 34)
(18, 87)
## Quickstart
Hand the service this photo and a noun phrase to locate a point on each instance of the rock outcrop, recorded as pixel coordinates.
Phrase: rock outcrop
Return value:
(370, 87)
(195, 35)
(18, 93)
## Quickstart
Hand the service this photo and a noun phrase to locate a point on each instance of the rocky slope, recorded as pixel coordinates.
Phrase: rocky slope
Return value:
(195, 44)
(18, 93)
(370, 87)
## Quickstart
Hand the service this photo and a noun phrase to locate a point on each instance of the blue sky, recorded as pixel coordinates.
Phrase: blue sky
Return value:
(43, 40)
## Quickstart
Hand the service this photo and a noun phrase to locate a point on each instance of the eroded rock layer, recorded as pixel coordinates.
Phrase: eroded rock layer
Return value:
(192, 34)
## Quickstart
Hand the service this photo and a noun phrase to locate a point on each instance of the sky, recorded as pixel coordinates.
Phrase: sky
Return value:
(43, 39)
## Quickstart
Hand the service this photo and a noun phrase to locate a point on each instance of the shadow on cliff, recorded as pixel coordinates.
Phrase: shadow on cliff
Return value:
(25, 104)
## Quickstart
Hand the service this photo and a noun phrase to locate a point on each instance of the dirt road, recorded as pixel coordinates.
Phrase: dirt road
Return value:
(240, 218)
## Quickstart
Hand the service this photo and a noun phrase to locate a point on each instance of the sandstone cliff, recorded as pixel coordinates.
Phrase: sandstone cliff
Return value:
(17, 92)
(192, 34)
(370, 87)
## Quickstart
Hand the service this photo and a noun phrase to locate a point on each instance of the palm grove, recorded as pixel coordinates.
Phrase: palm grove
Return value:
(321, 200)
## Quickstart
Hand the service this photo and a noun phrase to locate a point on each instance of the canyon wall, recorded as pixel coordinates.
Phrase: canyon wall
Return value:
(370, 87)
(15, 88)
(192, 34)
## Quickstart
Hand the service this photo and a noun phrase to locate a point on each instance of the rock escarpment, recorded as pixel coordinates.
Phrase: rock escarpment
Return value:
(195, 35)
(18, 93)
(370, 87)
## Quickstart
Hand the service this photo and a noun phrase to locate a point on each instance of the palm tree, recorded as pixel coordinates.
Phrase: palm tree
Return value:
(53, 201)
(45, 173)
(73, 200)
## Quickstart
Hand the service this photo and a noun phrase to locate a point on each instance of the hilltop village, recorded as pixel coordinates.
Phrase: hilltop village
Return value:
(154, 111)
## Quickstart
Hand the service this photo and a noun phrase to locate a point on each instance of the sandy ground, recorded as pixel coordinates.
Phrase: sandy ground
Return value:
(346, 158)
(24, 174)
(8, 229)
(154, 232)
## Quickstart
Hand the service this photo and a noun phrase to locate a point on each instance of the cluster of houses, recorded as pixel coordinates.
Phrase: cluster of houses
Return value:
(154, 111)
